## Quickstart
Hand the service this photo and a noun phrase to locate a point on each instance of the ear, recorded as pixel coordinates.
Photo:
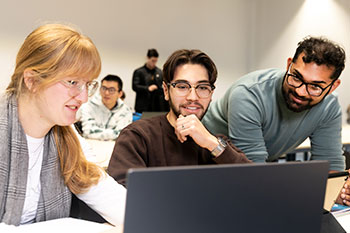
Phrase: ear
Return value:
(335, 85)
(289, 61)
(166, 91)
(120, 94)
(29, 79)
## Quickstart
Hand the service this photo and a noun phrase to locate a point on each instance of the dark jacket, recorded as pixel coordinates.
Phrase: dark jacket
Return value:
(154, 101)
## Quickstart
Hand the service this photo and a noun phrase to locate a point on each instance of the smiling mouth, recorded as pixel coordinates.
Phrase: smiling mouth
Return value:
(298, 100)
(192, 108)
(72, 107)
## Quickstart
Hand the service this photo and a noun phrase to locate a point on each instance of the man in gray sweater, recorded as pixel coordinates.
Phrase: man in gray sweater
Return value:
(270, 112)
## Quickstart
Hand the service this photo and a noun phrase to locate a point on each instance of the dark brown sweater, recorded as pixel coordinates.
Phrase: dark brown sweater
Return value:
(152, 142)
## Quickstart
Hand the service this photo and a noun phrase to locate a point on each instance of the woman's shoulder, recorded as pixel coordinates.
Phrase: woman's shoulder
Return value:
(4, 103)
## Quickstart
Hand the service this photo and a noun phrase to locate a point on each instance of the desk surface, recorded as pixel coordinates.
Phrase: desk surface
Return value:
(344, 220)
(103, 151)
(62, 225)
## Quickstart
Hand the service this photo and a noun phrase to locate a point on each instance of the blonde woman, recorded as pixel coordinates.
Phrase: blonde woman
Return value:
(41, 160)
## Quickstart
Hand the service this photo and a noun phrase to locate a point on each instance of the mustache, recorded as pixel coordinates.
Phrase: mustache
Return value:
(303, 98)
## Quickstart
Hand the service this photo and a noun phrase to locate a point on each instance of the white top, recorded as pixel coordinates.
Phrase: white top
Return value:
(35, 150)
(107, 197)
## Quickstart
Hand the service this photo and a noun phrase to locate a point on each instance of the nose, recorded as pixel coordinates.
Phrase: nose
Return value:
(83, 96)
(301, 91)
(192, 95)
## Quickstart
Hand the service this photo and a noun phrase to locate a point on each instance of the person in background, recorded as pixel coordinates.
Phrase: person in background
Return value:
(270, 112)
(177, 138)
(41, 160)
(105, 114)
(147, 83)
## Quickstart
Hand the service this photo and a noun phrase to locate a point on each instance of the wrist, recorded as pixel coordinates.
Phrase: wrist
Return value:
(213, 143)
(221, 146)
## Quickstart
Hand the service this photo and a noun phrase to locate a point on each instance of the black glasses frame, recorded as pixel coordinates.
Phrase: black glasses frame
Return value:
(306, 84)
(195, 87)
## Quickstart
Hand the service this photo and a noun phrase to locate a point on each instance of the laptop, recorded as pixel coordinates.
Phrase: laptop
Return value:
(243, 198)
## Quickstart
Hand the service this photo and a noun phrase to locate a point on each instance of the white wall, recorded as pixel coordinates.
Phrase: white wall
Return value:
(240, 35)
(124, 30)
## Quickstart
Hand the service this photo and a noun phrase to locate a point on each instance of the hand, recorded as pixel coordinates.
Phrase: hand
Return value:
(345, 194)
(152, 87)
(192, 126)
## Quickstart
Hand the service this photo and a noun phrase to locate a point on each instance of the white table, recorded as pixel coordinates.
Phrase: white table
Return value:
(344, 220)
(102, 151)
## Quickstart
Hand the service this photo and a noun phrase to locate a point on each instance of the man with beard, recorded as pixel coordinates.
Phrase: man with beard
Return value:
(268, 113)
(179, 137)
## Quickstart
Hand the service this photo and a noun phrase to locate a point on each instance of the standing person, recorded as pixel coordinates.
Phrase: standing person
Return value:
(106, 114)
(270, 112)
(147, 83)
(177, 138)
(41, 160)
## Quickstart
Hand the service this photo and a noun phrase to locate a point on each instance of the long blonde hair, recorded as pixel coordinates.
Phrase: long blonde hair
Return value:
(54, 51)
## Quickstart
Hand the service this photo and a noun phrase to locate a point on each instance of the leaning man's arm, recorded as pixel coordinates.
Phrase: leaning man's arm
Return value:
(326, 141)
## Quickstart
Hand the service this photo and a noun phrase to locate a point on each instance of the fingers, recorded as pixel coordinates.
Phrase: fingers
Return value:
(191, 126)
(180, 129)
(345, 194)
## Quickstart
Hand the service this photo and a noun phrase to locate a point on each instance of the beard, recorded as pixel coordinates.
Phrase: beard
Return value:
(177, 112)
(292, 105)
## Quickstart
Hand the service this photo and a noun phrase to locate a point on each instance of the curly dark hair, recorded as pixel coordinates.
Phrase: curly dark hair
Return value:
(323, 52)
(185, 56)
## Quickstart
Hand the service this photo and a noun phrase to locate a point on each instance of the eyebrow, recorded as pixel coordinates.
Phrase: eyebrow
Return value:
(199, 82)
(302, 77)
(108, 87)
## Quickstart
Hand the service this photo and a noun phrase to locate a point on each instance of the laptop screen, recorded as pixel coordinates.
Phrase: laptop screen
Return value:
(250, 198)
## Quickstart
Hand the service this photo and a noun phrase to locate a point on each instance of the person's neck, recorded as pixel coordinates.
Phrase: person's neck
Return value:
(150, 68)
(30, 119)
(111, 106)
(171, 117)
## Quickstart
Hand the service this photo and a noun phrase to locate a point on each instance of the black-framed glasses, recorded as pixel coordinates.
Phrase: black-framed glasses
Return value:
(313, 89)
(76, 87)
(203, 90)
(111, 90)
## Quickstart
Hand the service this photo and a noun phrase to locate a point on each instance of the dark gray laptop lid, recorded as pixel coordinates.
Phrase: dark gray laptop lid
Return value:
(250, 198)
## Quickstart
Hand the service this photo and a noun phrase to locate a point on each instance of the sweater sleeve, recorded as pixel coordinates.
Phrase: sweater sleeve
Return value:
(127, 153)
(137, 84)
(107, 198)
(231, 154)
(123, 119)
(326, 139)
(245, 124)
(91, 129)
